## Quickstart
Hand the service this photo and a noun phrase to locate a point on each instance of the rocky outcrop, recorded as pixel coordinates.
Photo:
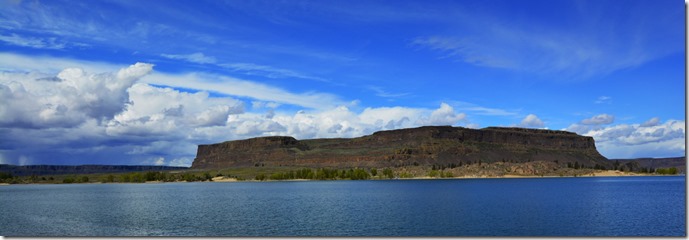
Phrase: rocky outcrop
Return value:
(248, 152)
(432, 145)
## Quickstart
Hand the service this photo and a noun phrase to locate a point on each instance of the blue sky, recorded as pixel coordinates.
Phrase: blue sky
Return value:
(144, 82)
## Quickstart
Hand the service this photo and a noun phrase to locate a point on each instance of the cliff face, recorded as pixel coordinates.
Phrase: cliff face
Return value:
(441, 145)
(247, 152)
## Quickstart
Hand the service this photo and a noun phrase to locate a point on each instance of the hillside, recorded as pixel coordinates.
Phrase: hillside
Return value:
(423, 146)
(654, 163)
(39, 170)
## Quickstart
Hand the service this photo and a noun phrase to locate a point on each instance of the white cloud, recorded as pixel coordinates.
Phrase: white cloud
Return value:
(445, 115)
(262, 104)
(638, 140)
(480, 110)
(159, 161)
(194, 58)
(385, 94)
(181, 162)
(267, 71)
(648, 139)
(244, 68)
(32, 42)
(162, 111)
(531, 121)
(651, 122)
(67, 100)
(592, 123)
(600, 119)
(537, 47)
(603, 99)
(244, 88)
(336, 122)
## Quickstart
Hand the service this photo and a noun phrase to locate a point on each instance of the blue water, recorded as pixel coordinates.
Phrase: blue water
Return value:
(620, 206)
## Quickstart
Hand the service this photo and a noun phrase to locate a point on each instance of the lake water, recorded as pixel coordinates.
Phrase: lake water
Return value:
(599, 206)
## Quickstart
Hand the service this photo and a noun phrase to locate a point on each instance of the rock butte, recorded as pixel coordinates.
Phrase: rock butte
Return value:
(425, 146)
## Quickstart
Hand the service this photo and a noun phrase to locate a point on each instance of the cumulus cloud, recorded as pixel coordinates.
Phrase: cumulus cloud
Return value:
(67, 100)
(651, 122)
(648, 139)
(76, 115)
(162, 111)
(445, 115)
(531, 121)
(343, 122)
(593, 123)
(599, 120)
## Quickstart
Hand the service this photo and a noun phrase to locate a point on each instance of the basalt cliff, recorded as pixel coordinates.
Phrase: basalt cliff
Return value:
(425, 146)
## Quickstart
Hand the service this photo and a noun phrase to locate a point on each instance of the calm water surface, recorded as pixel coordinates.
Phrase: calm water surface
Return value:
(600, 206)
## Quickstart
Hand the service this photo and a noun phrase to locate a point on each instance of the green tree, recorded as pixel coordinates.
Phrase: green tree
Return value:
(137, 177)
(374, 172)
(125, 178)
(5, 176)
(68, 180)
(359, 174)
(261, 177)
(188, 177)
(150, 176)
(387, 172)
(108, 179)
(406, 175)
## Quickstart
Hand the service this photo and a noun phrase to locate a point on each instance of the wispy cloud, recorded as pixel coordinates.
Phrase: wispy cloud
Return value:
(244, 88)
(243, 68)
(51, 65)
(603, 99)
(385, 94)
(549, 50)
(268, 71)
(33, 42)
(480, 110)
(198, 57)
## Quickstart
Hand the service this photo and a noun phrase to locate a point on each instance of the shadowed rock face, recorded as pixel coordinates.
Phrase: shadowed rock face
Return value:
(435, 145)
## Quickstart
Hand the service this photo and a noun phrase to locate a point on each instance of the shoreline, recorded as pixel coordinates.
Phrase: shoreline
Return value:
(608, 173)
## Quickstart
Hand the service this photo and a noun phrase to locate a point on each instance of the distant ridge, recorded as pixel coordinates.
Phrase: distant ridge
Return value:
(28, 170)
(653, 163)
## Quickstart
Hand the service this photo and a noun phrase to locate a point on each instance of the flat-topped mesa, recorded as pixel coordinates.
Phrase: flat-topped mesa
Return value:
(500, 135)
(430, 145)
(246, 152)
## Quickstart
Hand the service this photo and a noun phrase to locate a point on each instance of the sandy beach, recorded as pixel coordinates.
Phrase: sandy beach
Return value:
(223, 179)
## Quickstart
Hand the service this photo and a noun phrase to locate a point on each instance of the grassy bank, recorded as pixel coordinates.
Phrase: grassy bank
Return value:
(260, 173)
